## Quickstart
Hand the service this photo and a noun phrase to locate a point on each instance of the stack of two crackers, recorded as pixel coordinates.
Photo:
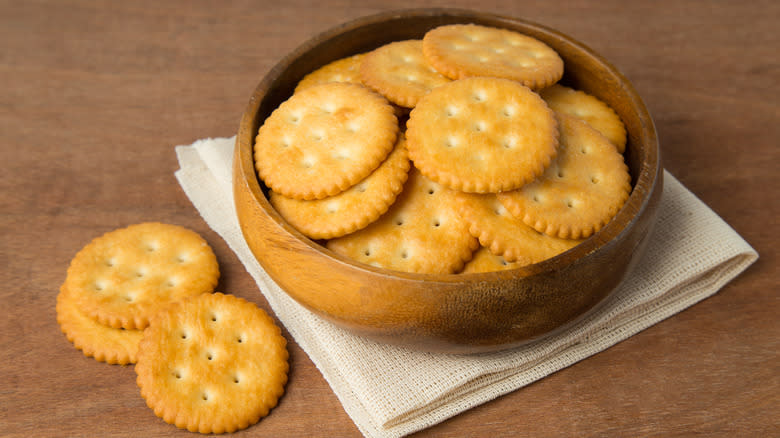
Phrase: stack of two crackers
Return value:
(459, 152)
(205, 361)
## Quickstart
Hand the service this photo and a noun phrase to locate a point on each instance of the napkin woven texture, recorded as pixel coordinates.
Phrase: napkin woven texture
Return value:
(390, 391)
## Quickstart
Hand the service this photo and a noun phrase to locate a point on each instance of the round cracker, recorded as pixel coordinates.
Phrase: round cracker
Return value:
(399, 72)
(504, 234)
(105, 344)
(122, 278)
(421, 232)
(324, 139)
(213, 363)
(589, 108)
(482, 135)
(353, 208)
(341, 70)
(581, 190)
(466, 50)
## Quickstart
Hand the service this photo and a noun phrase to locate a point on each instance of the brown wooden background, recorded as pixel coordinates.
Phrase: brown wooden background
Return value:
(95, 94)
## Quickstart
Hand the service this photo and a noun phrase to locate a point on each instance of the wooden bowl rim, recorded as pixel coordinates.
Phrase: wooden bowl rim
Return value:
(646, 181)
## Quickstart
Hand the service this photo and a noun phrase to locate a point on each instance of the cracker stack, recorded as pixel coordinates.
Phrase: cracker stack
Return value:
(509, 167)
(205, 361)
(121, 279)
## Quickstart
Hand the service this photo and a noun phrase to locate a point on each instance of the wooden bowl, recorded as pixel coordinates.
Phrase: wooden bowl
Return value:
(449, 313)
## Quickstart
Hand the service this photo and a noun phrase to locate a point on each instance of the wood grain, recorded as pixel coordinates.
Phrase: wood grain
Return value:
(95, 95)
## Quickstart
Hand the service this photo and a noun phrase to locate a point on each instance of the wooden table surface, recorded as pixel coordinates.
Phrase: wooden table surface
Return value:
(95, 94)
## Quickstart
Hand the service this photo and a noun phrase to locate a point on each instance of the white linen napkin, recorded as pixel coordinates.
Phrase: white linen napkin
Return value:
(390, 391)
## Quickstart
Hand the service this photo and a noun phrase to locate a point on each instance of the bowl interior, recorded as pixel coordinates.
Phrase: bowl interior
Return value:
(584, 70)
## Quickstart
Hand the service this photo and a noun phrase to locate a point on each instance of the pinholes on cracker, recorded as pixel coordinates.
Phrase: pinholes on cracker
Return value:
(581, 190)
(505, 235)
(399, 72)
(212, 364)
(352, 209)
(486, 261)
(105, 344)
(421, 232)
(465, 50)
(482, 135)
(124, 277)
(589, 108)
(324, 139)
(341, 70)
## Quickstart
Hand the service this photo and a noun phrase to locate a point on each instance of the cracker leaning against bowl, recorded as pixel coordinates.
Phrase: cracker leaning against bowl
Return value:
(463, 313)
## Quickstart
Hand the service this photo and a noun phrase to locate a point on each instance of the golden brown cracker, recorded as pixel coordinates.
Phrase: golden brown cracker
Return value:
(482, 135)
(399, 72)
(421, 232)
(352, 209)
(324, 139)
(580, 191)
(105, 344)
(589, 108)
(504, 234)
(341, 70)
(466, 50)
(486, 261)
(213, 363)
(124, 277)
